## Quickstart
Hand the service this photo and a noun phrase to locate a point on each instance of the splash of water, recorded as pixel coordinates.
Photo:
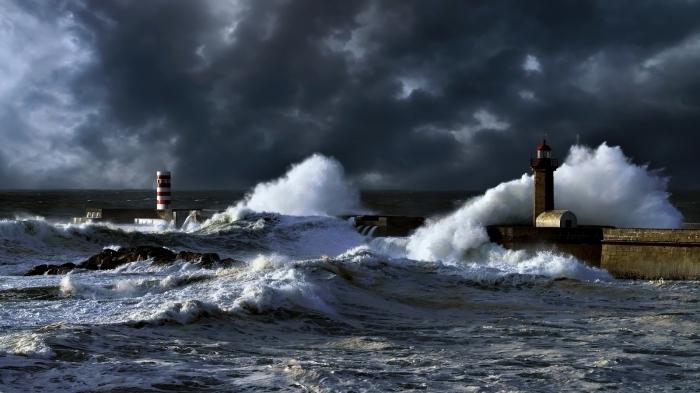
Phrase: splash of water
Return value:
(316, 186)
(602, 186)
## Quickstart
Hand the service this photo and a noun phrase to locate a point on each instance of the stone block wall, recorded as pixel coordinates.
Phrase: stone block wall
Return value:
(671, 254)
(582, 242)
(649, 254)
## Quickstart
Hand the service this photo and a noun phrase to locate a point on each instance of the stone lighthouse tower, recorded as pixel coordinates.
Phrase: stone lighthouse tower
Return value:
(543, 167)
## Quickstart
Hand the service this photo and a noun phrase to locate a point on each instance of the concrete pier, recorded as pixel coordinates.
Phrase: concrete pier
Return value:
(650, 254)
(582, 242)
(130, 216)
(671, 254)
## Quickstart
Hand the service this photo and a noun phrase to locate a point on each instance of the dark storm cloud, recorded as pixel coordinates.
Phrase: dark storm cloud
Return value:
(408, 94)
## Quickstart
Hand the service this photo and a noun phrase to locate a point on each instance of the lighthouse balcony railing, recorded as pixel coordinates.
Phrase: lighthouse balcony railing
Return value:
(538, 162)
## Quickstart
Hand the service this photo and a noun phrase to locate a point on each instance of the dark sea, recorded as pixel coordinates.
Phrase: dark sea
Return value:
(316, 307)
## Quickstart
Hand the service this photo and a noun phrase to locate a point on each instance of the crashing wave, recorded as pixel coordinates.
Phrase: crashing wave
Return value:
(316, 186)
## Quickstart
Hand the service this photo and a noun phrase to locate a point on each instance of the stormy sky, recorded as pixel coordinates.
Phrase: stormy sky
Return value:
(405, 94)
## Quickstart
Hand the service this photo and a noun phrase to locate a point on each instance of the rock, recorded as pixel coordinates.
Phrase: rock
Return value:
(50, 269)
(159, 255)
(109, 259)
(38, 270)
(188, 256)
(207, 260)
(96, 262)
(62, 269)
(230, 262)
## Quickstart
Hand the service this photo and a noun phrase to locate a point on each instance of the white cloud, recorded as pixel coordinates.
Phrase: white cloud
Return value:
(228, 15)
(670, 61)
(38, 112)
(532, 64)
(42, 121)
(410, 84)
(484, 121)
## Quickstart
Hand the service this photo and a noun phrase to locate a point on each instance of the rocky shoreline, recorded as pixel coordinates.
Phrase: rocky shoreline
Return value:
(109, 259)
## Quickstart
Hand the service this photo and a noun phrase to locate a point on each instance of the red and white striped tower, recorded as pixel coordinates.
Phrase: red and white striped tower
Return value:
(163, 190)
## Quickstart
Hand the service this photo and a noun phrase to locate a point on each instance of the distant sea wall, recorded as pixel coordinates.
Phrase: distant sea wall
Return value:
(671, 254)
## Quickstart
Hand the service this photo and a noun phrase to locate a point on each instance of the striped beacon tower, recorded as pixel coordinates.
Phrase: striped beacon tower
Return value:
(163, 190)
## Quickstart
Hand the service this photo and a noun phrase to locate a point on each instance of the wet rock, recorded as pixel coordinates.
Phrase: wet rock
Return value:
(207, 260)
(96, 262)
(230, 262)
(38, 270)
(109, 259)
(50, 269)
(190, 256)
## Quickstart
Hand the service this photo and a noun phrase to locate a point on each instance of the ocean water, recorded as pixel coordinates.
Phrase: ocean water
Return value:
(317, 307)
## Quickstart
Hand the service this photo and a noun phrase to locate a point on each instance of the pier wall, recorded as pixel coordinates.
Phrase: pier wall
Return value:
(671, 254)
(582, 242)
(127, 216)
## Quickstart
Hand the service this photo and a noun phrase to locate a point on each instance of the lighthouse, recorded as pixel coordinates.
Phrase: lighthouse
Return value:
(543, 167)
(163, 190)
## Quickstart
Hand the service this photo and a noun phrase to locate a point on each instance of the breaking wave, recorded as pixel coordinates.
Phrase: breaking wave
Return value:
(316, 186)
(27, 242)
(25, 344)
(602, 186)
(303, 272)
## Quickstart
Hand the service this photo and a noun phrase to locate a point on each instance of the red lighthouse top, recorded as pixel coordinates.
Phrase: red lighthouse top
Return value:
(544, 158)
(544, 146)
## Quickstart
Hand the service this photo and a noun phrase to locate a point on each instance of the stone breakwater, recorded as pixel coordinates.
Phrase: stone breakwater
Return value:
(650, 254)
(110, 259)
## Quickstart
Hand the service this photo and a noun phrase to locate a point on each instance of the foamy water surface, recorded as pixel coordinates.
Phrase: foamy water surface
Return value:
(317, 307)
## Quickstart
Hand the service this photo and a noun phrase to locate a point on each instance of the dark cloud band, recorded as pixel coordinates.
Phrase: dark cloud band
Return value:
(408, 94)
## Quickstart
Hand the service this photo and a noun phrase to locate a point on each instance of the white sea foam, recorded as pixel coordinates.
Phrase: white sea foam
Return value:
(270, 261)
(279, 284)
(26, 344)
(130, 287)
(312, 236)
(602, 186)
(544, 263)
(185, 312)
(26, 230)
(316, 186)
(447, 273)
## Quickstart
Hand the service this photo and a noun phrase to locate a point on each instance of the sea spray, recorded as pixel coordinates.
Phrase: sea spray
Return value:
(450, 238)
(316, 186)
(602, 186)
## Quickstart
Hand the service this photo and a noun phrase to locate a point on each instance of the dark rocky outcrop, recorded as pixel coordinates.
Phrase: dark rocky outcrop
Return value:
(50, 269)
(110, 259)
